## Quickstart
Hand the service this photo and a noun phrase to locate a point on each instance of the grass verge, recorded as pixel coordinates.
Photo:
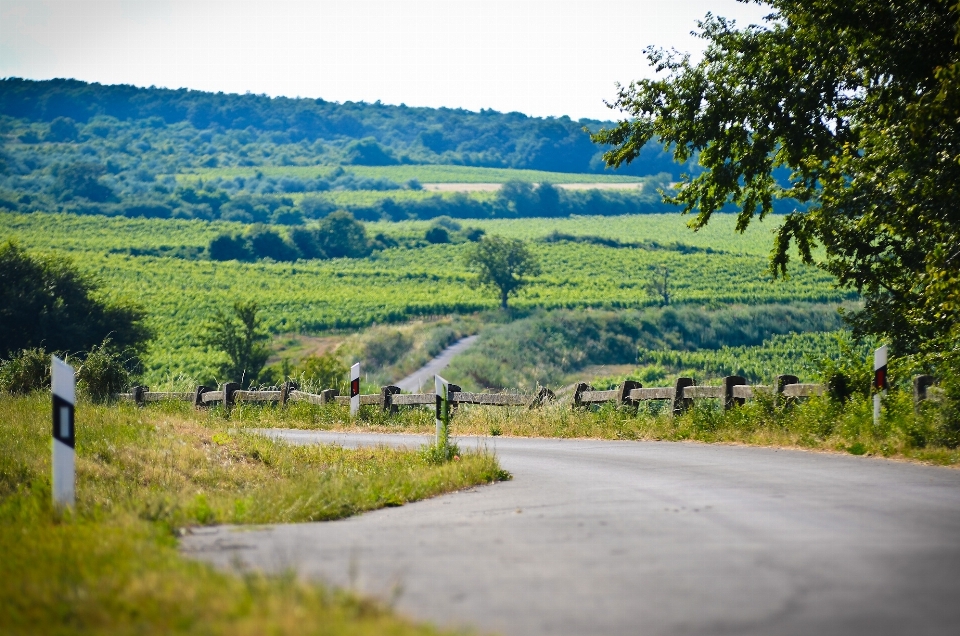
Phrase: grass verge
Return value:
(112, 565)
(815, 424)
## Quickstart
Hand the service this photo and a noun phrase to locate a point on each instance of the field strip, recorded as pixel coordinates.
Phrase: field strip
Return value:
(493, 187)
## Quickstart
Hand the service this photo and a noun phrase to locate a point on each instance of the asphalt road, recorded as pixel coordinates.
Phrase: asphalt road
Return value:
(600, 537)
(422, 378)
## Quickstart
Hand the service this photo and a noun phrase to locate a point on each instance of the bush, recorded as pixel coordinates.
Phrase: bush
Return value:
(385, 347)
(322, 371)
(437, 235)
(229, 248)
(25, 372)
(341, 235)
(102, 373)
(850, 374)
(62, 129)
(265, 243)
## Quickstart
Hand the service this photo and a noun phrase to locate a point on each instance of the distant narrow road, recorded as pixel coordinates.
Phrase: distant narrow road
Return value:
(423, 377)
(602, 537)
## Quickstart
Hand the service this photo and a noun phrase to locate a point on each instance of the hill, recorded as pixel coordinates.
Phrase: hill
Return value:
(353, 132)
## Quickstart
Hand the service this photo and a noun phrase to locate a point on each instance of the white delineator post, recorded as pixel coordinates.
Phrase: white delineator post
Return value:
(442, 389)
(64, 385)
(879, 380)
(354, 389)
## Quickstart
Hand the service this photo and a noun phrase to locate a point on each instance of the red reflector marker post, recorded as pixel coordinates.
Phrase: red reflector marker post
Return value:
(879, 380)
(354, 389)
(64, 391)
(442, 388)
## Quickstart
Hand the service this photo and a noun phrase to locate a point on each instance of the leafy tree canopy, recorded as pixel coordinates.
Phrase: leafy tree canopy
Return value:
(240, 337)
(82, 180)
(502, 263)
(860, 101)
(46, 302)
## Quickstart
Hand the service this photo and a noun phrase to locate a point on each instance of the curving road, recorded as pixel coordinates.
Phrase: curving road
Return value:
(600, 537)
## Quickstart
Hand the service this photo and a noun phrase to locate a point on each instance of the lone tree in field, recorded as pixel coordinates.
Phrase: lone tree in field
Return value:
(502, 263)
(659, 284)
(241, 338)
(859, 102)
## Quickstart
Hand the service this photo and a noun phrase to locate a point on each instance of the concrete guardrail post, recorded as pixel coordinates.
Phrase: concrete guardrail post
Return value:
(625, 388)
(386, 398)
(783, 381)
(198, 396)
(729, 382)
(327, 395)
(580, 389)
(543, 395)
(454, 388)
(920, 385)
(229, 389)
(285, 389)
(680, 403)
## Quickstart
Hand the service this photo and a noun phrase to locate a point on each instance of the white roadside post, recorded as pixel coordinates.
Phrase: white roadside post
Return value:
(63, 383)
(354, 389)
(879, 380)
(442, 388)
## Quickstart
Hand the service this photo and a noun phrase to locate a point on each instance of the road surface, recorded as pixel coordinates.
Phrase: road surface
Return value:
(422, 378)
(605, 537)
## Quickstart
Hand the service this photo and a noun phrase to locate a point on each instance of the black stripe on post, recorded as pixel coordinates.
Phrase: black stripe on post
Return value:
(354, 387)
(63, 426)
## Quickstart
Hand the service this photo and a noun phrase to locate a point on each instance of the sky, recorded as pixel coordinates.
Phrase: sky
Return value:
(561, 57)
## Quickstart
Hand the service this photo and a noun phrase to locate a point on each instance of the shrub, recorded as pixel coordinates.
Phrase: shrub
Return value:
(27, 371)
(322, 371)
(102, 373)
(385, 347)
(437, 235)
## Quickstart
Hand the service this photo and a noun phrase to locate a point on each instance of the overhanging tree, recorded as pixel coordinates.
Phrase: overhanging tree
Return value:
(859, 101)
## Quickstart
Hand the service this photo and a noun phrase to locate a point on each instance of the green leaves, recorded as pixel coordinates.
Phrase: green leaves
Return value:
(502, 263)
(239, 337)
(859, 102)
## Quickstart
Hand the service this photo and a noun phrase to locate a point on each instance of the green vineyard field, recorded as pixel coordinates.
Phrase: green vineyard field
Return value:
(400, 284)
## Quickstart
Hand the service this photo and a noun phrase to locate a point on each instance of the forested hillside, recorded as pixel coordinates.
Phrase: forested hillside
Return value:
(69, 146)
(352, 133)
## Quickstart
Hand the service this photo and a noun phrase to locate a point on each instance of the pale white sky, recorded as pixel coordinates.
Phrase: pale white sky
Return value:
(538, 57)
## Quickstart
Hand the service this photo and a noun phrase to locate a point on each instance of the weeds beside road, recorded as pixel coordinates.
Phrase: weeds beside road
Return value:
(142, 474)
